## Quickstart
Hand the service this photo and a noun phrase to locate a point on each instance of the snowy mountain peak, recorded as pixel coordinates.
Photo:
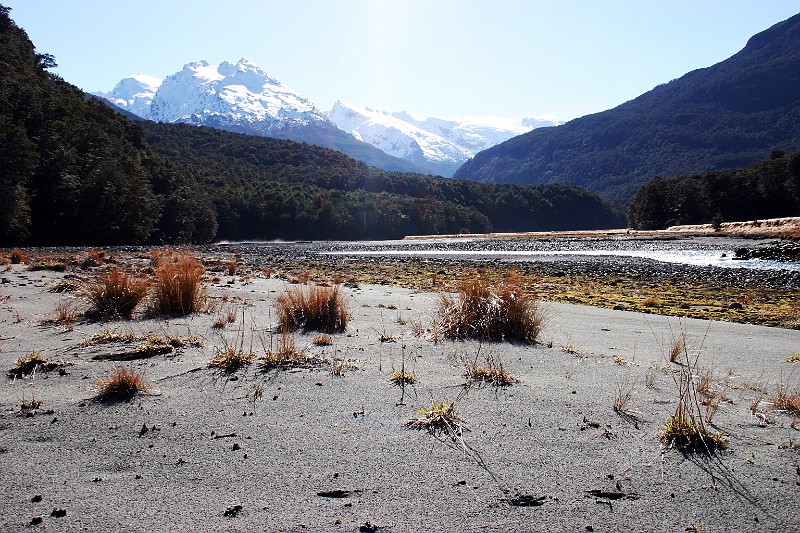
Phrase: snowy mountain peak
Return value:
(230, 94)
(399, 138)
(440, 144)
(134, 93)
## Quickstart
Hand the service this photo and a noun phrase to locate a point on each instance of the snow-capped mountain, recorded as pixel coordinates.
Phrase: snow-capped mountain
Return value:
(400, 138)
(134, 93)
(439, 144)
(240, 96)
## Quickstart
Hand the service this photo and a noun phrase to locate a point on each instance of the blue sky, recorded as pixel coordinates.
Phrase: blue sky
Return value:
(515, 58)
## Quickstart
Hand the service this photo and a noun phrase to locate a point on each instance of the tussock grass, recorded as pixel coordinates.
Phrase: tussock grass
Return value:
(285, 355)
(230, 359)
(122, 384)
(27, 364)
(686, 429)
(16, 256)
(794, 358)
(114, 294)
(400, 377)
(321, 340)
(502, 312)
(440, 418)
(625, 389)
(488, 369)
(178, 289)
(319, 308)
(787, 401)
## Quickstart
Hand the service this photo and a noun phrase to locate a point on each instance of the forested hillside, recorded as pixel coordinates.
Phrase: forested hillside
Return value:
(73, 171)
(266, 188)
(728, 115)
(769, 189)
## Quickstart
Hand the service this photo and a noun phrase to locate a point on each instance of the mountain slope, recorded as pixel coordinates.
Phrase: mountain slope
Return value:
(733, 113)
(133, 94)
(438, 144)
(72, 171)
(400, 138)
(241, 97)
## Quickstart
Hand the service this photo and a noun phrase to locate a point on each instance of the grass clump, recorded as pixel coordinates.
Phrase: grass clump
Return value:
(16, 256)
(285, 354)
(794, 358)
(27, 364)
(178, 289)
(686, 429)
(489, 370)
(230, 359)
(122, 384)
(321, 340)
(502, 312)
(115, 294)
(400, 377)
(440, 418)
(319, 308)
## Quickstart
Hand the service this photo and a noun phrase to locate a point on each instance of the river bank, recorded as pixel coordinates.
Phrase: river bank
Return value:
(327, 447)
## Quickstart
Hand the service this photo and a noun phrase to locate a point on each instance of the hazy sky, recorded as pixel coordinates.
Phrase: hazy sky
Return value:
(516, 58)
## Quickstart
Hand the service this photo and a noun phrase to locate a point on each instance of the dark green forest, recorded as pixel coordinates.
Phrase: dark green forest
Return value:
(266, 188)
(73, 171)
(769, 189)
(728, 115)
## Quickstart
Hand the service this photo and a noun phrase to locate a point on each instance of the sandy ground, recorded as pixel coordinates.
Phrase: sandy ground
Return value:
(308, 450)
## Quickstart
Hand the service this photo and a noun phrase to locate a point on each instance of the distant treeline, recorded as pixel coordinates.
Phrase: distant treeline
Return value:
(769, 189)
(266, 188)
(73, 171)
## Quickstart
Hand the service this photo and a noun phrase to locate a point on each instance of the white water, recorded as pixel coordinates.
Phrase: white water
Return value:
(712, 258)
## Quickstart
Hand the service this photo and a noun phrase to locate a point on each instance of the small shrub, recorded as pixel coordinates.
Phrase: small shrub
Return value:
(121, 385)
(621, 361)
(320, 309)
(115, 294)
(486, 312)
(178, 289)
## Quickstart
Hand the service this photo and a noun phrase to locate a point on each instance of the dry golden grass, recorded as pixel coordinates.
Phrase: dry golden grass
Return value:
(625, 389)
(400, 377)
(285, 355)
(321, 340)
(787, 401)
(440, 418)
(319, 308)
(794, 358)
(114, 294)
(178, 289)
(27, 364)
(16, 256)
(122, 384)
(230, 359)
(686, 429)
(491, 312)
(488, 369)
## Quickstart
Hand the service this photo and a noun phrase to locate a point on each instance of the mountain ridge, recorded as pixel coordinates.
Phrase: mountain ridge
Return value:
(723, 116)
